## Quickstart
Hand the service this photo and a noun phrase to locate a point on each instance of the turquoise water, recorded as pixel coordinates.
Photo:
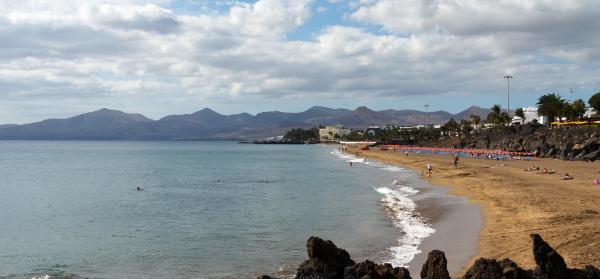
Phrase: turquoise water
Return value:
(208, 209)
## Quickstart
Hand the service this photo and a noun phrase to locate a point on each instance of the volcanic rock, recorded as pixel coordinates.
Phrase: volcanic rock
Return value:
(371, 270)
(436, 266)
(326, 261)
(492, 269)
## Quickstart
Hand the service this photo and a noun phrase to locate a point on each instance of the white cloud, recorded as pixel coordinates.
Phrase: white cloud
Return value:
(80, 54)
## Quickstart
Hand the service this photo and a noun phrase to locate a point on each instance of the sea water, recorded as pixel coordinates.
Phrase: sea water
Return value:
(207, 209)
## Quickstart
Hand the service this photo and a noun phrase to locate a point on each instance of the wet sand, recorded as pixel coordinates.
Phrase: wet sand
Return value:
(457, 224)
(516, 203)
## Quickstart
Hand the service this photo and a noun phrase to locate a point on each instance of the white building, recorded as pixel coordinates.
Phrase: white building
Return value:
(531, 113)
(330, 133)
(589, 112)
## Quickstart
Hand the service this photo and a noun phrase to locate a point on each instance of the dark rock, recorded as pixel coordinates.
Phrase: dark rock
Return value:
(266, 277)
(591, 272)
(549, 153)
(592, 156)
(371, 270)
(492, 269)
(436, 266)
(326, 261)
(549, 263)
(591, 145)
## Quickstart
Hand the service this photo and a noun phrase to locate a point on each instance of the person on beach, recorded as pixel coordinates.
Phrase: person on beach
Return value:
(567, 176)
(456, 161)
(350, 163)
(429, 169)
(405, 153)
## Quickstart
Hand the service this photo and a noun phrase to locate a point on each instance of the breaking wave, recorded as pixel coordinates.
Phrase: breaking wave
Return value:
(401, 210)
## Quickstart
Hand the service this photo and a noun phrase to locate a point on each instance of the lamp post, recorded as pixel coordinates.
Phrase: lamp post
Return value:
(508, 77)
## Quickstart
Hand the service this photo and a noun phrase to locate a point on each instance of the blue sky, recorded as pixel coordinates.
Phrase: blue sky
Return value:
(61, 58)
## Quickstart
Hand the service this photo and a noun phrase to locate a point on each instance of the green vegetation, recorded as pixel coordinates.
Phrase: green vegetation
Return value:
(520, 113)
(576, 110)
(594, 101)
(551, 106)
(300, 134)
(554, 106)
(476, 120)
(497, 116)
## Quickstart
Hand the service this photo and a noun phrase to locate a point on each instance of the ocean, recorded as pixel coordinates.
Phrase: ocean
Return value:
(207, 209)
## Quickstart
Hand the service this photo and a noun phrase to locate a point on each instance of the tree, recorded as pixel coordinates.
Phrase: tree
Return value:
(504, 118)
(450, 126)
(520, 113)
(475, 120)
(465, 127)
(594, 102)
(300, 134)
(551, 105)
(577, 109)
(496, 116)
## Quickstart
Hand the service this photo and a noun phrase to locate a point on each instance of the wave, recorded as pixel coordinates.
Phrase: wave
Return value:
(349, 158)
(393, 168)
(401, 211)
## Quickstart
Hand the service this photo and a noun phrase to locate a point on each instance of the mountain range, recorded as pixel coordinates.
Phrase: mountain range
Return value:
(206, 124)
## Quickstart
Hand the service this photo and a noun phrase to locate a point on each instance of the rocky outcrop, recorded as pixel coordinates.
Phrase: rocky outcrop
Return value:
(549, 263)
(492, 269)
(436, 266)
(371, 270)
(563, 143)
(327, 261)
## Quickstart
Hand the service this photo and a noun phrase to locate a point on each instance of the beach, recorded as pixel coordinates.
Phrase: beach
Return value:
(516, 203)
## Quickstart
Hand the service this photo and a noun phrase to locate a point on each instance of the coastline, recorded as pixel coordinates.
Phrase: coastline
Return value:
(516, 203)
(426, 216)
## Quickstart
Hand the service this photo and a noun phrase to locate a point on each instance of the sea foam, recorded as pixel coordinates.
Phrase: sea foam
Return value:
(401, 211)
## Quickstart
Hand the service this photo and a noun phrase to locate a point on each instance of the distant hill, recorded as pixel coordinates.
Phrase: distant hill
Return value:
(100, 124)
(465, 114)
(206, 124)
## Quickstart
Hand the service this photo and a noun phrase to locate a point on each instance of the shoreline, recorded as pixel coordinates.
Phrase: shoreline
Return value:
(439, 211)
(453, 218)
(516, 203)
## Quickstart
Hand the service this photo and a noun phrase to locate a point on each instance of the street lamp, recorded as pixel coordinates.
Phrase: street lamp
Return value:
(508, 77)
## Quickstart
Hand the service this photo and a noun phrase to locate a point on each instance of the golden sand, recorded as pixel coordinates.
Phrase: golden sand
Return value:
(516, 203)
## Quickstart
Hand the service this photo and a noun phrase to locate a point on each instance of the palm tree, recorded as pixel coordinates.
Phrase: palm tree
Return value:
(450, 126)
(465, 126)
(520, 113)
(495, 116)
(578, 109)
(551, 105)
(504, 118)
(475, 120)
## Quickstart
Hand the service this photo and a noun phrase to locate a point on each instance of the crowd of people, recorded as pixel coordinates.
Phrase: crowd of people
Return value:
(460, 152)
(537, 170)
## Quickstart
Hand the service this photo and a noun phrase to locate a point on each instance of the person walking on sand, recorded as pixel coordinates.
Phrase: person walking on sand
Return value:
(456, 161)
(429, 169)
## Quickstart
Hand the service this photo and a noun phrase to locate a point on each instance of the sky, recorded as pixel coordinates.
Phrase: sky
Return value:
(61, 58)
